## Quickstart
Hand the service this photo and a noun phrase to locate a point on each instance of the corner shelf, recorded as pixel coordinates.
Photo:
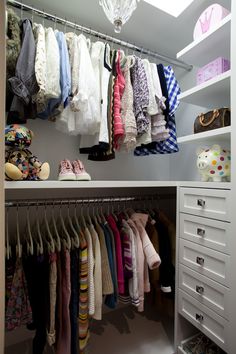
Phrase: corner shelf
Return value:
(221, 134)
(207, 48)
(212, 93)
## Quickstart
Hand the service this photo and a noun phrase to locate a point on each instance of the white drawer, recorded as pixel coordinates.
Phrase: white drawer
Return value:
(207, 321)
(206, 232)
(210, 203)
(213, 264)
(206, 291)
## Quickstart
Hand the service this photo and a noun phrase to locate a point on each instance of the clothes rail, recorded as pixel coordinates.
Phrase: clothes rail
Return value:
(100, 35)
(92, 200)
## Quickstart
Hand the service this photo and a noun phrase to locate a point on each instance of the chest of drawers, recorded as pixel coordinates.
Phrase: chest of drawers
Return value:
(204, 260)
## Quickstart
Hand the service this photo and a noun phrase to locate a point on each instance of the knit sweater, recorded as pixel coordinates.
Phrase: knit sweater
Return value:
(91, 296)
(97, 274)
(83, 294)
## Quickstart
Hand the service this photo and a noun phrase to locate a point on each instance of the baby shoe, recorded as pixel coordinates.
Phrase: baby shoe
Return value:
(79, 171)
(66, 171)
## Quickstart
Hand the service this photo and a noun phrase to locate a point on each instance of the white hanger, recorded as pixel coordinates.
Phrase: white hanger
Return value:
(51, 244)
(30, 244)
(75, 237)
(82, 215)
(88, 215)
(18, 243)
(76, 218)
(8, 246)
(67, 241)
(57, 240)
(40, 243)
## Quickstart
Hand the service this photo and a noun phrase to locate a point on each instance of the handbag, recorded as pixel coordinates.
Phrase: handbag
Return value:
(218, 118)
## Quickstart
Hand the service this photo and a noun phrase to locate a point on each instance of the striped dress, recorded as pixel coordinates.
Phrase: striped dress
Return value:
(83, 296)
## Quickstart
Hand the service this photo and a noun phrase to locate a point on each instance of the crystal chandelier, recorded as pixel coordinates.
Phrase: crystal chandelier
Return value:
(118, 11)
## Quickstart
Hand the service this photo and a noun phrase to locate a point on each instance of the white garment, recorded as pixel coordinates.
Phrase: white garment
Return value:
(40, 66)
(52, 89)
(157, 88)
(81, 115)
(152, 106)
(102, 75)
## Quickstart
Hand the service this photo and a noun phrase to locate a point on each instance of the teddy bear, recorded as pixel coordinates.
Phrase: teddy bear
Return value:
(20, 163)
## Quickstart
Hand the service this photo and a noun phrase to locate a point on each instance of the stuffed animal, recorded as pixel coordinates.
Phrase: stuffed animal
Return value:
(214, 163)
(20, 163)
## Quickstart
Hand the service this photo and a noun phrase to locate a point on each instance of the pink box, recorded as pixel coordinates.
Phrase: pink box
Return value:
(212, 69)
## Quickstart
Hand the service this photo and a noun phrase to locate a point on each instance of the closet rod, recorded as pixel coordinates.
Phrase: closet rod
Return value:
(100, 35)
(94, 200)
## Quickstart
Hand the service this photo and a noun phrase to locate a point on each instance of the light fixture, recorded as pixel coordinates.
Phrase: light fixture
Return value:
(174, 8)
(118, 12)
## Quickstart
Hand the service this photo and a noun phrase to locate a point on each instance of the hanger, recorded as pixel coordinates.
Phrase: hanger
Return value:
(83, 223)
(8, 246)
(43, 18)
(76, 218)
(55, 23)
(51, 244)
(18, 243)
(39, 244)
(66, 241)
(102, 215)
(65, 25)
(21, 10)
(57, 239)
(75, 237)
(88, 215)
(32, 15)
(30, 244)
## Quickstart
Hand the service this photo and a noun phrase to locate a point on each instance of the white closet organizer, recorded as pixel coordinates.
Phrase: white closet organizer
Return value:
(205, 222)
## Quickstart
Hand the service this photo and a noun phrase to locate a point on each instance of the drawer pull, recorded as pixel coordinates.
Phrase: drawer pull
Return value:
(201, 202)
(200, 260)
(199, 289)
(201, 232)
(199, 318)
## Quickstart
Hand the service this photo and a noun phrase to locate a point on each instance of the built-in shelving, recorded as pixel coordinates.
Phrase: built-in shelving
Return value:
(219, 135)
(212, 93)
(209, 46)
(66, 185)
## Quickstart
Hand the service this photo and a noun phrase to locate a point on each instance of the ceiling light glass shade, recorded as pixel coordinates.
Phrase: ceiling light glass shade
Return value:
(118, 12)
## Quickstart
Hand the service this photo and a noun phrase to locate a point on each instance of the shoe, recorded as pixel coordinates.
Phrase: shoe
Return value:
(66, 171)
(79, 171)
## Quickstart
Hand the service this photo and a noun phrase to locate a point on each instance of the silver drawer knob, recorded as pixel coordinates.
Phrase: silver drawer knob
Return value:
(201, 232)
(199, 289)
(200, 260)
(199, 318)
(201, 202)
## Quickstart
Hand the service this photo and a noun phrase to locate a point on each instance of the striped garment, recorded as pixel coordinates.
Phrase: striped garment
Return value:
(173, 89)
(83, 296)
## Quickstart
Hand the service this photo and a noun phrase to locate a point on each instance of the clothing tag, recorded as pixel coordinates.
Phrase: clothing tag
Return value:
(153, 222)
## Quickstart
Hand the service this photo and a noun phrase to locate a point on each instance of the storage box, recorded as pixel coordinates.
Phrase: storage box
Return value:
(212, 69)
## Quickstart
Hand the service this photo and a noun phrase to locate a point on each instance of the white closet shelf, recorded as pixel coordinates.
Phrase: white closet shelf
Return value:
(21, 185)
(52, 185)
(221, 134)
(213, 93)
(211, 45)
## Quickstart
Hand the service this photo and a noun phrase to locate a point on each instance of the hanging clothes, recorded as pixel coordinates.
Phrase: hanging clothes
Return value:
(24, 84)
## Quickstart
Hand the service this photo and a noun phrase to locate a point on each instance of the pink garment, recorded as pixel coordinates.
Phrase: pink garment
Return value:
(151, 255)
(64, 335)
(119, 260)
(119, 87)
(140, 264)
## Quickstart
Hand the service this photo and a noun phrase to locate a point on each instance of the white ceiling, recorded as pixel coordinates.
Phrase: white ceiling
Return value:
(148, 27)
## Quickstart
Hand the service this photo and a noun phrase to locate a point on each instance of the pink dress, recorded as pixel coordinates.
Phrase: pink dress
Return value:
(118, 93)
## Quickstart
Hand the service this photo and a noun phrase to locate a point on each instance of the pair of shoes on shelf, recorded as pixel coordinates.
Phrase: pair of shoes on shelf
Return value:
(72, 171)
